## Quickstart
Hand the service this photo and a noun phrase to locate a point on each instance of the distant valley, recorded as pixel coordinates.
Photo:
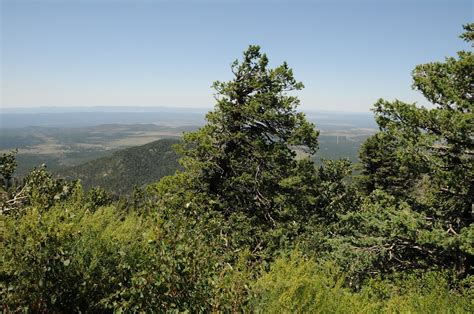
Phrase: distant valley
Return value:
(129, 142)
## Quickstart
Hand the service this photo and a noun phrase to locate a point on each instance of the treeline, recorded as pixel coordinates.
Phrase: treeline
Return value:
(247, 226)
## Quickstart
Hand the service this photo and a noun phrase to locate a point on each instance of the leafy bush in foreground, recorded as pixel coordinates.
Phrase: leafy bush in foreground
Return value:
(69, 258)
(72, 259)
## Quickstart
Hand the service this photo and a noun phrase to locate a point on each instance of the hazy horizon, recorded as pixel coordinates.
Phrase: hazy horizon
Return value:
(131, 108)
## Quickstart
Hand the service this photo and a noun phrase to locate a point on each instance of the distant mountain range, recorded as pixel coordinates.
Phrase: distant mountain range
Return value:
(135, 166)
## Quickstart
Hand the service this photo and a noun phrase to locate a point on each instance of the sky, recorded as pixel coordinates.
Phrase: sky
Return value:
(167, 53)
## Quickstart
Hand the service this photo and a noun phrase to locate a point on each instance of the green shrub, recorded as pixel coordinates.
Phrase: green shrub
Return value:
(295, 284)
(298, 285)
(68, 258)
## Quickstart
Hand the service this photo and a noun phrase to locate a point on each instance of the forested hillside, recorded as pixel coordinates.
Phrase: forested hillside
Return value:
(65, 147)
(248, 226)
(125, 169)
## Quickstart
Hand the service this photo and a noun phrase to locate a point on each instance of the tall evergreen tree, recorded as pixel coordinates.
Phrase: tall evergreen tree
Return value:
(428, 161)
(440, 138)
(244, 154)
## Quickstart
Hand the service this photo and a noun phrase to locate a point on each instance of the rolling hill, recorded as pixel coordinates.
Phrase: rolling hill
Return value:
(135, 166)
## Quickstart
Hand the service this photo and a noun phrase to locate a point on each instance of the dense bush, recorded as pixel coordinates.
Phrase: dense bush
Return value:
(295, 284)
(69, 258)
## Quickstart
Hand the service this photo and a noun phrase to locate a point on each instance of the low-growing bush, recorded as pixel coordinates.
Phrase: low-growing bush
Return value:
(295, 284)
(68, 258)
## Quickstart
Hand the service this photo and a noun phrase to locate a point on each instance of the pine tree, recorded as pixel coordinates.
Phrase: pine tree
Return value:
(247, 149)
(428, 160)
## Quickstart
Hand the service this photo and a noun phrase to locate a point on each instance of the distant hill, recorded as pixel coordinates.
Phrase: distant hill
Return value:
(64, 147)
(124, 169)
(140, 165)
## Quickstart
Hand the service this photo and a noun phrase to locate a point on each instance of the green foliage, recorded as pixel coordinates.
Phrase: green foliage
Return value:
(8, 165)
(428, 292)
(125, 169)
(468, 35)
(387, 235)
(43, 190)
(386, 165)
(39, 189)
(240, 157)
(98, 197)
(298, 285)
(424, 157)
(7, 168)
(69, 258)
(243, 163)
(334, 193)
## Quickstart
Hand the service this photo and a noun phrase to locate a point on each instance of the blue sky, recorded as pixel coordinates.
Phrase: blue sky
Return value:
(168, 53)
